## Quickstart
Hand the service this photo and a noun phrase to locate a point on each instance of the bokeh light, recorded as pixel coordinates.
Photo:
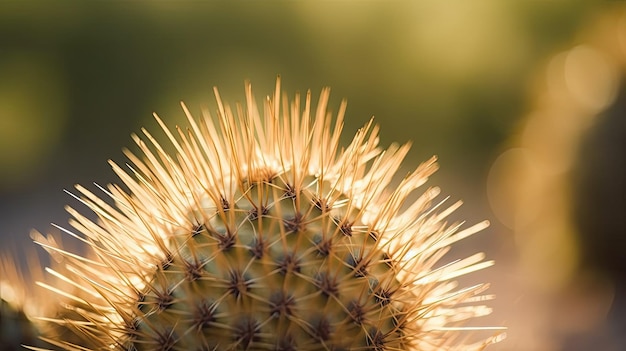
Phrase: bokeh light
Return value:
(532, 190)
(32, 114)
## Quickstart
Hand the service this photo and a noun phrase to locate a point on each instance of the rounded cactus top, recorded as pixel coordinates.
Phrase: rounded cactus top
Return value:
(259, 231)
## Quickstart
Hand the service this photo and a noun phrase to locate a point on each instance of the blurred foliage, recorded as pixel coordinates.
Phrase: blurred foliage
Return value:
(448, 75)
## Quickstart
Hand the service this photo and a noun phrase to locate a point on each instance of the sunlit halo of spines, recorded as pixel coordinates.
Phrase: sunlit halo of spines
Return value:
(261, 232)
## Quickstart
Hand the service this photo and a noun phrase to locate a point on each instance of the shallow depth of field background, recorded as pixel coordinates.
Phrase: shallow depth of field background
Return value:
(523, 102)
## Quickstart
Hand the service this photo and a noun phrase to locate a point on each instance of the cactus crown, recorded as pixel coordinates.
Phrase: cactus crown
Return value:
(259, 232)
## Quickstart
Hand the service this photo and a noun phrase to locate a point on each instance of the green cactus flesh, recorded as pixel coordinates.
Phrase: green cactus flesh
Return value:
(276, 268)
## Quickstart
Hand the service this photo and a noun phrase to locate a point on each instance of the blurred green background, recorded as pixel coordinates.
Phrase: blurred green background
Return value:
(454, 77)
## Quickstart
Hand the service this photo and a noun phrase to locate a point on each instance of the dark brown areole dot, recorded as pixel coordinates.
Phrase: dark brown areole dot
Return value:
(323, 246)
(383, 296)
(165, 340)
(399, 322)
(289, 263)
(237, 284)
(132, 330)
(197, 229)
(164, 299)
(357, 312)
(290, 191)
(257, 212)
(326, 284)
(322, 329)
(358, 265)
(224, 241)
(193, 270)
(295, 224)
(321, 204)
(246, 332)
(345, 226)
(258, 248)
(167, 261)
(281, 304)
(203, 315)
(224, 204)
(376, 339)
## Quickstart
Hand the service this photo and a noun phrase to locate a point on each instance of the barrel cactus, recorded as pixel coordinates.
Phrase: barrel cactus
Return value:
(256, 230)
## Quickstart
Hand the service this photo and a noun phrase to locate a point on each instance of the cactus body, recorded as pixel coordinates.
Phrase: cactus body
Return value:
(275, 269)
(261, 233)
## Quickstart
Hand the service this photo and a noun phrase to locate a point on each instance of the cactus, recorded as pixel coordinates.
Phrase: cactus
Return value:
(259, 232)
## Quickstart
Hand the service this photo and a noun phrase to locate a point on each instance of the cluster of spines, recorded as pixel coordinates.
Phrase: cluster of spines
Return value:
(285, 273)
(257, 219)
